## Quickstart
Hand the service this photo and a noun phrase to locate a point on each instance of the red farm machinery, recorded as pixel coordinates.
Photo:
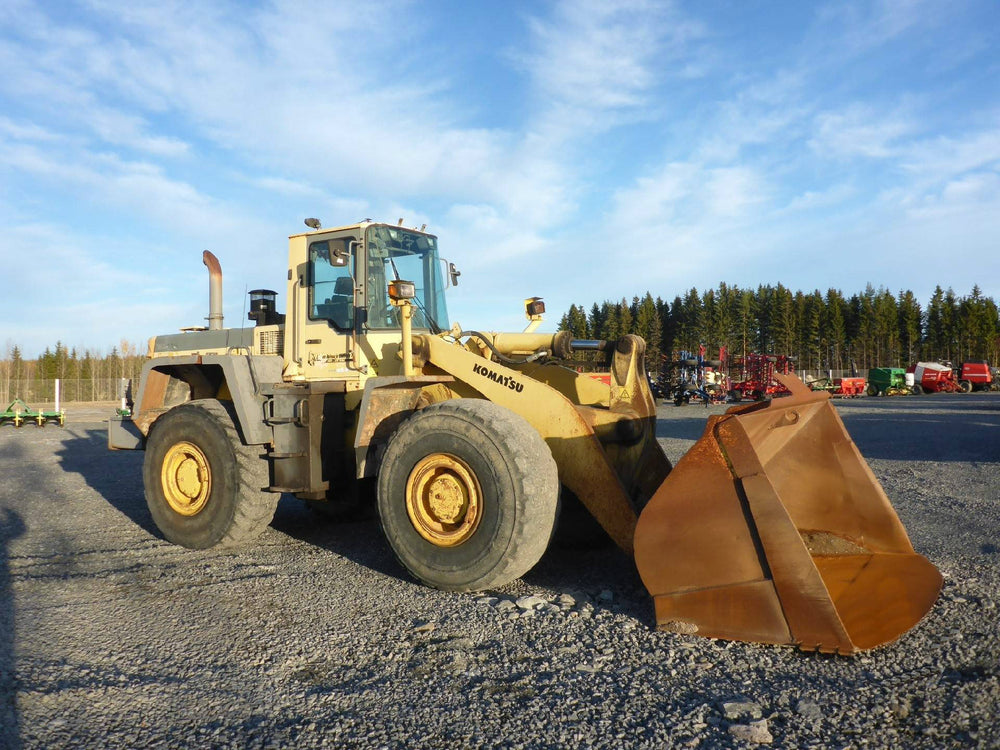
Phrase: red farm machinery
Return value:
(933, 377)
(977, 375)
(753, 376)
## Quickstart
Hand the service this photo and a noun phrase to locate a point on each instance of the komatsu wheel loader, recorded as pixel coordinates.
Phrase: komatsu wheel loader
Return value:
(771, 528)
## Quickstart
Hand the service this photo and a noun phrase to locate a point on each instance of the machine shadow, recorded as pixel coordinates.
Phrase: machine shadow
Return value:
(562, 570)
(358, 539)
(114, 475)
(602, 574)
(601, 567)
(11, 527)
(117, 477)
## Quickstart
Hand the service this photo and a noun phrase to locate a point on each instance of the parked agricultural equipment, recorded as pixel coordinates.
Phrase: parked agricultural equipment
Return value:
(977, 375)
(689, 378)
(839, 387)
(849, 387)
(18, 413)
(771, 528)
(889, 381)
(757, 376)
(933, 377)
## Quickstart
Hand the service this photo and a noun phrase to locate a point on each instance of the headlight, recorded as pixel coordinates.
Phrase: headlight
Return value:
(400, 290)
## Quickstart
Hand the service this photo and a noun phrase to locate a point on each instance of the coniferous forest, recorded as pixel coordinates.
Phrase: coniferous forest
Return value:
(831, 331)
(83, 375)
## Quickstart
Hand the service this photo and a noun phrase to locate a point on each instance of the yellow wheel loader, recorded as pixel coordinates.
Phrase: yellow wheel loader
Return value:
(771, 528)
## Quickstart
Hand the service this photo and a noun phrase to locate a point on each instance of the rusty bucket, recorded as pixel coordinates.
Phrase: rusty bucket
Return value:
(773, 528)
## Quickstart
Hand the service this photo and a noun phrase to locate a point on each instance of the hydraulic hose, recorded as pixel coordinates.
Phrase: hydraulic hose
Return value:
(503, 357)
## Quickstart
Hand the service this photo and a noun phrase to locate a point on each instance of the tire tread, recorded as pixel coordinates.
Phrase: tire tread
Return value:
(532, 466)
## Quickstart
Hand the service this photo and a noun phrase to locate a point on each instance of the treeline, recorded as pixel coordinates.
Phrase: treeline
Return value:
(83, 375)
(873, 328)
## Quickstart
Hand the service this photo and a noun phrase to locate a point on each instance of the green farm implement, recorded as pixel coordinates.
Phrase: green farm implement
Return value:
(888, 381)
(18, 412)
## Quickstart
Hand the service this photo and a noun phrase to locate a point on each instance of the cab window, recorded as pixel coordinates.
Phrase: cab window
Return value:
(331, 288)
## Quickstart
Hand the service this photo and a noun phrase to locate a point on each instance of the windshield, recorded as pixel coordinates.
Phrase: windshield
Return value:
(396, 253)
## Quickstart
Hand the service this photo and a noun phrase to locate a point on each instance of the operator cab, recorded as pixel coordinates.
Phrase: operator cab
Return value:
(348, 280)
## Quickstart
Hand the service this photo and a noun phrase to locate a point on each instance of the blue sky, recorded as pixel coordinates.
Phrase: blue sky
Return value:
(578, 151)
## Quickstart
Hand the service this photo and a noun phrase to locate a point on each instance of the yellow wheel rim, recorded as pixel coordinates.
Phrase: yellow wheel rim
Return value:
(186, 478)
(444, 500)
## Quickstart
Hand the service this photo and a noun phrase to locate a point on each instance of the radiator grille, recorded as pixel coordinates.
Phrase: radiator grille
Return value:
(272, 342)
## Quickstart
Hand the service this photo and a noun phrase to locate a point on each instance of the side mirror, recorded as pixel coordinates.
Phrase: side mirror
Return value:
(339, 254)
(454, 273)
(335, 252)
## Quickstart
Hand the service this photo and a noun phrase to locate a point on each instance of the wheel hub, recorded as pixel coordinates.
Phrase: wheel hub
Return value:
(443, 500)
(186, 478)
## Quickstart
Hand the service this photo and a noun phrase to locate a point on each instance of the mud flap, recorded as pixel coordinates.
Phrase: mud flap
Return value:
(773, 528)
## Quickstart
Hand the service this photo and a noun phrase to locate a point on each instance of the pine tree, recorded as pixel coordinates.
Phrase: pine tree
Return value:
(834, 327)
(689, 326)
(647, 325)
(626, 322)
(910, 318)
(611, 329)
(595, 322)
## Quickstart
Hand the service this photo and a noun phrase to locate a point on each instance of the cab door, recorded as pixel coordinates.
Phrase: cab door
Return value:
(327, 298)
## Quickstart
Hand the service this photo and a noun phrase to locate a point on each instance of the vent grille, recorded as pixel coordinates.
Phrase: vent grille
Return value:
(272, 342)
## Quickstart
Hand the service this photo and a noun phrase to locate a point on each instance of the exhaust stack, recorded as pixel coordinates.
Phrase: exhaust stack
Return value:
(214, 291)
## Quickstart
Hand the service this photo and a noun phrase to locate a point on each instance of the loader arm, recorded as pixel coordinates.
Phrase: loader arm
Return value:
(607, 455)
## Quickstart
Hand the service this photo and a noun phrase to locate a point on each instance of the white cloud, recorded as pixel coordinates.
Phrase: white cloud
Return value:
(946, 156)
(654, 199)
(595, 63)
(862, 26)
(811, 200)
(105, 179)
(860, 131)
(732, 191)
(762, 113)
(27, 131)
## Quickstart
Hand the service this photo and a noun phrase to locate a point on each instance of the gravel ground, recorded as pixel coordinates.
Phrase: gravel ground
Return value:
(313, 637)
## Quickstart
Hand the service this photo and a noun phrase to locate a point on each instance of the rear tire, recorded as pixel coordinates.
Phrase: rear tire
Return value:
(917, 390)
(468, 494)
(872, 390)
(965, 385)
(204, 488)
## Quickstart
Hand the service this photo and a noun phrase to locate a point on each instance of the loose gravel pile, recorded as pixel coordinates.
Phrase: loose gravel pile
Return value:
(312, 636)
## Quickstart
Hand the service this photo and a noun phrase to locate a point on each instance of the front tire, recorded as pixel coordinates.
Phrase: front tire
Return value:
(468, 495)
(204, 488)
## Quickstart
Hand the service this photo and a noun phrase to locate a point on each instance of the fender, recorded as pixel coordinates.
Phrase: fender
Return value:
(170, 381)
